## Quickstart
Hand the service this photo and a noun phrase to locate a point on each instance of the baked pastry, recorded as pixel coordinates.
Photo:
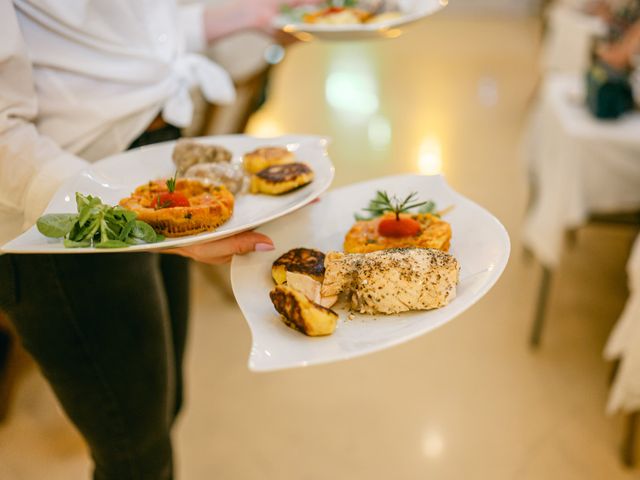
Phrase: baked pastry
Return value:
(264, 157)
(190, 207)
(279, 179)
(364, 236)
(392, 281)
(300, 313)
(187, 153)
(299, 260)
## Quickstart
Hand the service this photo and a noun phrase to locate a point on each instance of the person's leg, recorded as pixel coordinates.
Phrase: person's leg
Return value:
(99, 328)
(175, 275)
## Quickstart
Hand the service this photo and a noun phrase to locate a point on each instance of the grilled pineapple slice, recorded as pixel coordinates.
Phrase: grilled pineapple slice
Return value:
(299, 260)
(264, 157)
(280, 179)
(300, 313)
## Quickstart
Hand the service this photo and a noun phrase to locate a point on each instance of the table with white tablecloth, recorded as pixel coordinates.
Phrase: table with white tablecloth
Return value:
(579, 165)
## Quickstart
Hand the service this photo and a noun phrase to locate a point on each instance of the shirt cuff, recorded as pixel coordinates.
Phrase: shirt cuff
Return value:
(46, 183)
(192, 26)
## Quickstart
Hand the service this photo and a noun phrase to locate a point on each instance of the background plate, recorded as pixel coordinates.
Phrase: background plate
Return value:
(116, 177)
(480, 243)
(413, 10)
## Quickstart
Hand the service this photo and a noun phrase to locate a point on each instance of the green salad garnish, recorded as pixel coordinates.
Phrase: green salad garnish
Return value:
(97, 225)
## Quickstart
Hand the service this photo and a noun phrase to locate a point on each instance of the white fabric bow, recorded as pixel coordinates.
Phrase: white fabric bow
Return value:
(196, 70)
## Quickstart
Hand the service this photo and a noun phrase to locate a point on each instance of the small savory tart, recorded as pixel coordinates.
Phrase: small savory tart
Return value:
(264, 157)
(299, 260)
(188, 208)
(365, 235)
(279, 179)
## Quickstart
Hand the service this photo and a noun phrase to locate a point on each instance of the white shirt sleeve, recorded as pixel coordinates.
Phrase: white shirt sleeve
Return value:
(32, 166)
(192, 26)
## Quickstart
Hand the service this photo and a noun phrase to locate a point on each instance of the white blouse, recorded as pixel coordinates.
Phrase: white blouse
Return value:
(81, 79)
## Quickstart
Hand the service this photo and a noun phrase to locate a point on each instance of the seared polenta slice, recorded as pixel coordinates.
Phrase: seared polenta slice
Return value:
(299, 260)
(365, 237)
(264, 157)
(300, 313)
(280, 179)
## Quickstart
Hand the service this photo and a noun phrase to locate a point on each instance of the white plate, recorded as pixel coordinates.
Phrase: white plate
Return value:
(412, 11)
(480, 243)
(116, 177)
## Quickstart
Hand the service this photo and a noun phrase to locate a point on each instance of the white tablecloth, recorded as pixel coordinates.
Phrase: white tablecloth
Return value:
(579, 165)
(624, 344)
(570, 34)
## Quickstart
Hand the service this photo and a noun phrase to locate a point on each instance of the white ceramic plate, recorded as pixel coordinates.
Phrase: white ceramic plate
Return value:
(116, 177)
(480, 243)
(412, 11)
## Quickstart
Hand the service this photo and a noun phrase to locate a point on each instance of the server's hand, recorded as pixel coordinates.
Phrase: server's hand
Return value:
(222, 251)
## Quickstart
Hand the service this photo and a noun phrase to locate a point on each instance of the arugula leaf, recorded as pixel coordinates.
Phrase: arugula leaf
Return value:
(56, 225)
(144, 232)
(126, 230)
(72, 244)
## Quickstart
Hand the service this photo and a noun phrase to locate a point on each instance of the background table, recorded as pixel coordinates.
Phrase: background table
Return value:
(579, 165)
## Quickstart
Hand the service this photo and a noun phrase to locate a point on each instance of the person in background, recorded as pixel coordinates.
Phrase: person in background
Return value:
(79, 81)
(620, 53)
(622, 42)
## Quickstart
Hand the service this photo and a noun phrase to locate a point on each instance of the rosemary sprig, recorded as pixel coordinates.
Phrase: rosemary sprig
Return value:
(171, 183)
(383, 203)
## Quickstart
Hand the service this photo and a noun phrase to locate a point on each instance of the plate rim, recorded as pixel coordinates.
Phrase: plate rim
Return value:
(495, 275)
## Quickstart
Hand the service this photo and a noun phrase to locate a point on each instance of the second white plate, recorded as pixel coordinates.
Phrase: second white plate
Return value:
(116, 177)
(412, 11)
(480, 243)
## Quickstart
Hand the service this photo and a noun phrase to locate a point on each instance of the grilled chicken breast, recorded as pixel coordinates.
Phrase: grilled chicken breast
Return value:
(392, 281)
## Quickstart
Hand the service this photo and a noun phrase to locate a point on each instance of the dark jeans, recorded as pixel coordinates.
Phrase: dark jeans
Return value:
(108, 332)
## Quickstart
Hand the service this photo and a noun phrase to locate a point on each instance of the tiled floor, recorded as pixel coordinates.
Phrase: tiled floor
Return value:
(468, 401)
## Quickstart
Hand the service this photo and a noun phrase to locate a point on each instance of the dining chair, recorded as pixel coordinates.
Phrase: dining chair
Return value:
(625, 219)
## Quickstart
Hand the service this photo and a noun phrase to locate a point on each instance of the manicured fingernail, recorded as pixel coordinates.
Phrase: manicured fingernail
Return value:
(264, 247)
